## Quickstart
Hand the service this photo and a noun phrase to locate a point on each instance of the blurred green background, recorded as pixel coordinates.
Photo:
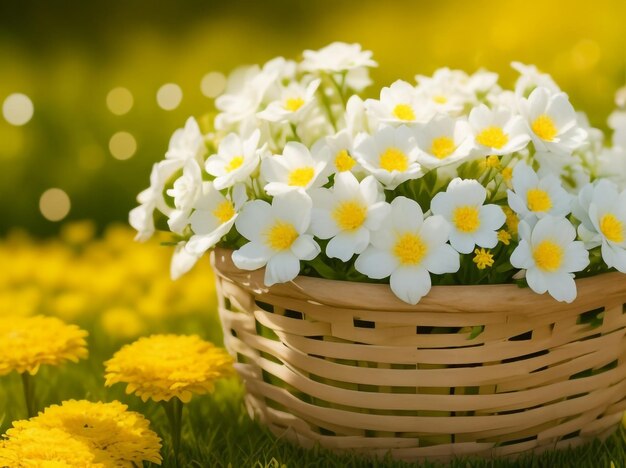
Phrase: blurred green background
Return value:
(67, 56)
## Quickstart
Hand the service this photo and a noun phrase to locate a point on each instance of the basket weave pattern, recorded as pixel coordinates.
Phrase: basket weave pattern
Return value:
(349, 366)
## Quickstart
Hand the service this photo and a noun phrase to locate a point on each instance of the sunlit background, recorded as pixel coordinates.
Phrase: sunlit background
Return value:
(91, 91)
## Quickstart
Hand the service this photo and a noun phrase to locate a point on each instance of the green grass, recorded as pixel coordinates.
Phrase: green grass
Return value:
(218, 432)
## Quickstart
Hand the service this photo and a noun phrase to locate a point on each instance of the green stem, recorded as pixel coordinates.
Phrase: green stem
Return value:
(28, 384)
(294, 131)
(174, 412)
(339, 89)
(327, 107)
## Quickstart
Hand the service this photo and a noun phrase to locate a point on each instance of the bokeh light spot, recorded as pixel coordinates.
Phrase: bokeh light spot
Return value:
(169, 96)
(212, 84)
(122, 145)
(54, 204)
(120, 101)
(17, 109)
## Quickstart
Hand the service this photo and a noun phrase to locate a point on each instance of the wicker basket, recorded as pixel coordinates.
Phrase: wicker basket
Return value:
(349, 366)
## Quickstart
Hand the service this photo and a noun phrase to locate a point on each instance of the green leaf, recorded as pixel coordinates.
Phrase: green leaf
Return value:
(476, 330)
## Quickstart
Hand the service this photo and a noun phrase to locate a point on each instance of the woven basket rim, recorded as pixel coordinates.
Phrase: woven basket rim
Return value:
(450, 298)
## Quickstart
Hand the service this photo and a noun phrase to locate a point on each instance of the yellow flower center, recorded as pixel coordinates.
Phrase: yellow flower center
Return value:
(493, 137)
(394, 160)
(410, 249)
(281, 235)
(343, 161)
(466, 218)
(349, 215)
(442, 147)
(301, 177)
(403, 112)
(234, 163)
(504, 237)
(224, 211)
(439, 99)
(612, 228)
(544, 127)
(483, 258)
(538, 200)
(548, 255)
(293, 104)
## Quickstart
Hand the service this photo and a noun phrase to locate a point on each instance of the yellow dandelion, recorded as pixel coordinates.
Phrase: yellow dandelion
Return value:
(504, 237)
(512, 221)
(483, 258)
(115, 436)
(45, 447)
(161, 367)
(26, 343)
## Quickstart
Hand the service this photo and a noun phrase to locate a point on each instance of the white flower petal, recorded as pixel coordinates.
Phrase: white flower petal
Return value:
(251, 256)
(536, 280)
(442, 259)
(254, 217)
(182, 261)
(293, 207)
(561, 286)
(410, 284)
(281, 268)
(406, 214)
(522, 256)
(377, 215)
(375, 263)
(305, 248)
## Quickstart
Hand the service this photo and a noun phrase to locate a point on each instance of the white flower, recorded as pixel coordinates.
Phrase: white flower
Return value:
(530, 78)
(482, 82)
(213, 216)
(498, 131)
(187, 143)
(141, 217)
(235, 160)
(247, 88)
(602, 212)
(390, 155)
(552, 121)
(277, 235)
(537, 197)
(472, 222)
(445, 92)
(407, 248)
(337, 57)
(294, 103)
(340, 150)
(295, 169)
(443, 140)
(617, 122)
(550, 256)
(356, 116)
(182, 261)
(347, 213)
(185, 191)
(398, 104)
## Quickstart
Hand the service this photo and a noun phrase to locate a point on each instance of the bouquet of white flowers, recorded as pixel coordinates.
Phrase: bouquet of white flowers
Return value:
(453, 180)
